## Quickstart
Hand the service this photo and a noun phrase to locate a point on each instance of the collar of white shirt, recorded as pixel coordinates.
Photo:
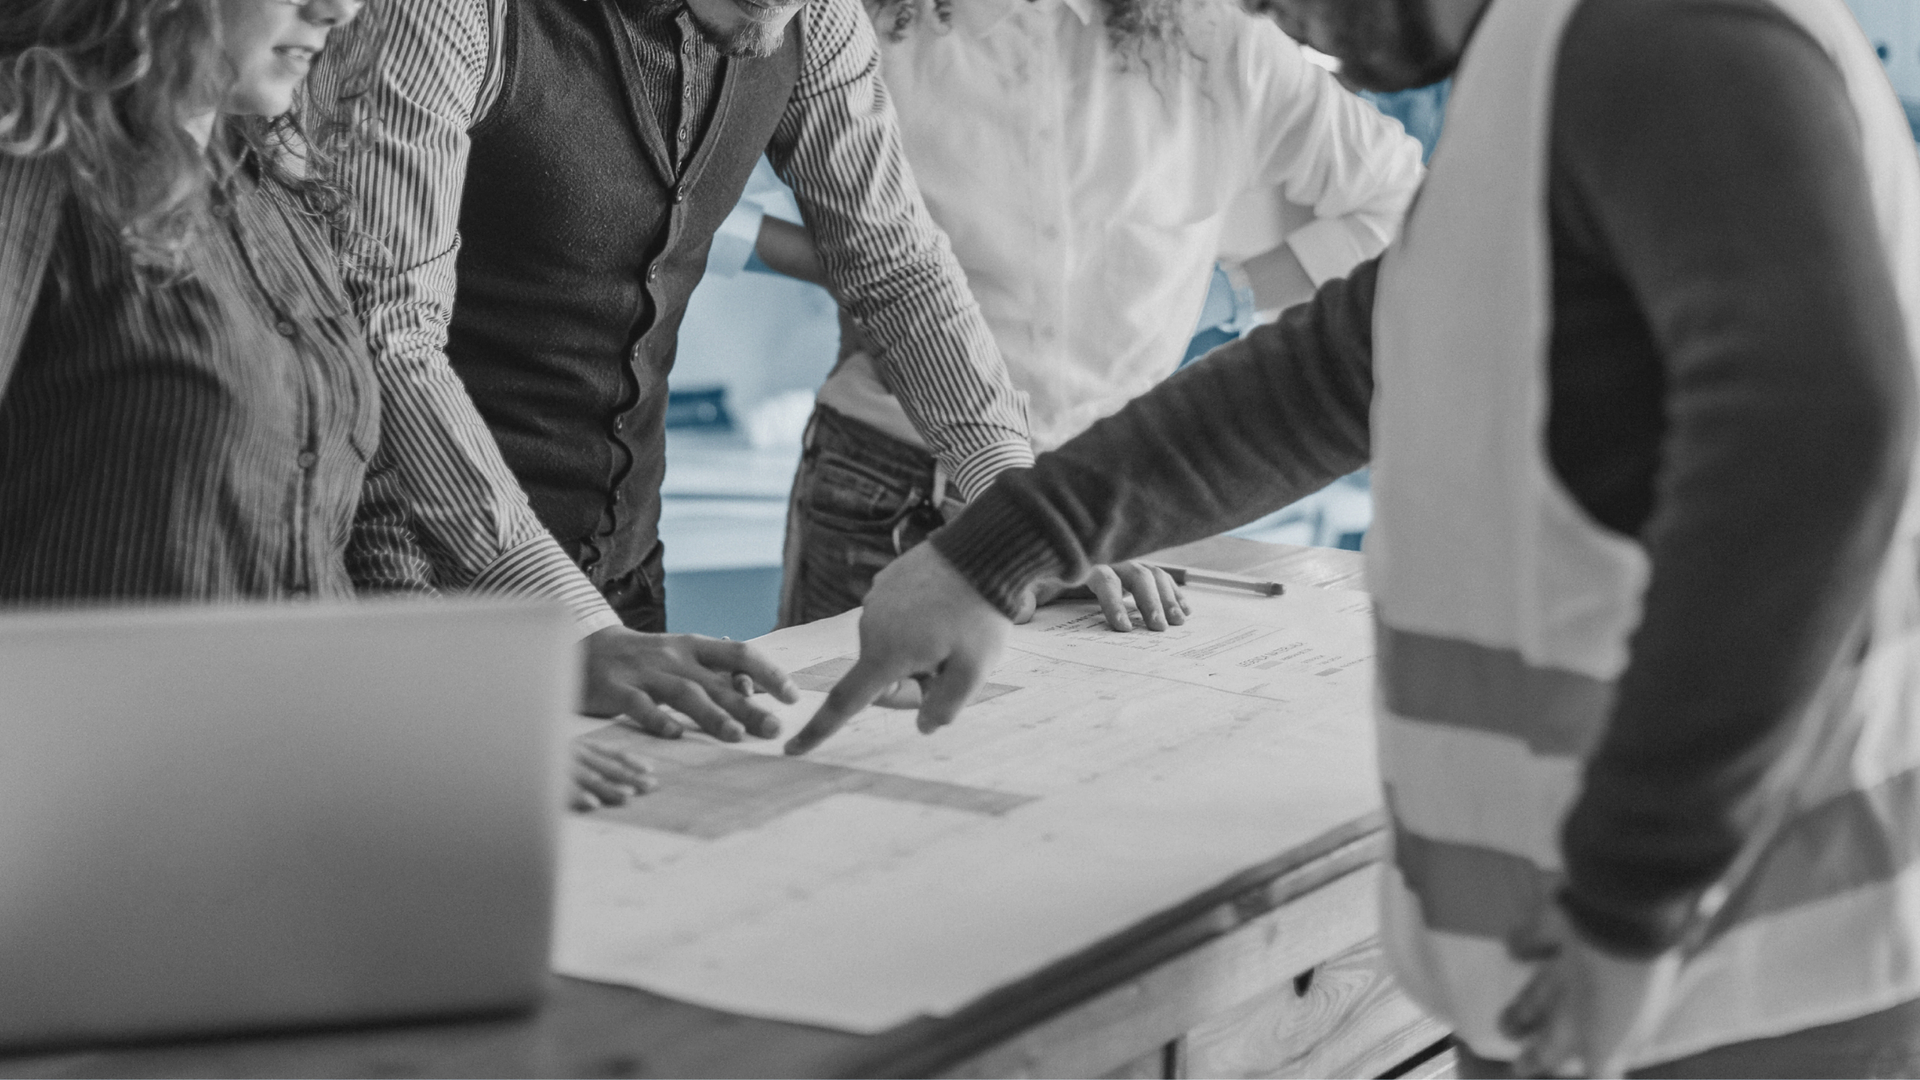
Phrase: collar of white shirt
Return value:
(980, 16)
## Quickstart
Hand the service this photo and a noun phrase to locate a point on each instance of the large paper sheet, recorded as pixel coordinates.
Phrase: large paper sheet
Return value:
(1099, 778)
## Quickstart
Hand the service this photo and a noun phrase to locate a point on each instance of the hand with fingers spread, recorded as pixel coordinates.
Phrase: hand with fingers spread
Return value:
(1585, 1011)
(603, 776)
(1160, 602)
(922, 621)
(707, 680)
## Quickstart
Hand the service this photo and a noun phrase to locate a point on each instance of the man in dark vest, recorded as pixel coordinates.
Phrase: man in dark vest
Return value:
(567, 162)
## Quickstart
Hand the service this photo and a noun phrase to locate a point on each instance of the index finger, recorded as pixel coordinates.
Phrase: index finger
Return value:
(854, 692)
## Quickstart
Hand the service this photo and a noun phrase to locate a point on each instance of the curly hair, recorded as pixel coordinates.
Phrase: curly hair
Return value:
(1140, 30)
(102, 85)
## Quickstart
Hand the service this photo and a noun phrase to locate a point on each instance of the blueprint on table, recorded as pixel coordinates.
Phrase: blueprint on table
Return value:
(1098, 779)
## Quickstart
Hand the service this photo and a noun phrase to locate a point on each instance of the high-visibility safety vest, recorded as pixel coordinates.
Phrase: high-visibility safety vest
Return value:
(1504, 611)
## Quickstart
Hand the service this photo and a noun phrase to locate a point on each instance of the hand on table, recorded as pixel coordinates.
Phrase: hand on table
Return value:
(706, 679)
(1159, 600)
(1586, 1011)
(922, 621)
(605, 777)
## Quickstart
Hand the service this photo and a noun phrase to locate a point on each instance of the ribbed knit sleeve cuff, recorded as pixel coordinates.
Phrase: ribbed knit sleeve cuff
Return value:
(1638, 933)
(998, 547)
(541, 568)
(975, 474)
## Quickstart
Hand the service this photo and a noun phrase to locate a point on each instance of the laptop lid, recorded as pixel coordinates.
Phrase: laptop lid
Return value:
(237, 818)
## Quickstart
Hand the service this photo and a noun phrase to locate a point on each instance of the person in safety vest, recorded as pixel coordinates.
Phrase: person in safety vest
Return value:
(1637, 387)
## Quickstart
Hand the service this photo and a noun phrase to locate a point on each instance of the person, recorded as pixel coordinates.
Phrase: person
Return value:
(547, 178)
(1089, 160)
(187, 409)
(1637, 383)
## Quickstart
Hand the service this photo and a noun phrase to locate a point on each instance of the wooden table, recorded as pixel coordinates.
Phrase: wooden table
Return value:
(1274, 973)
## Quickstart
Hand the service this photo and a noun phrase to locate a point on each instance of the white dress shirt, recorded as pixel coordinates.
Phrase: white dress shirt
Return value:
(1089, 194)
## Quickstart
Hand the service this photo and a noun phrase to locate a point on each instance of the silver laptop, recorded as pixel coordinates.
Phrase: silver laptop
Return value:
(228, 819)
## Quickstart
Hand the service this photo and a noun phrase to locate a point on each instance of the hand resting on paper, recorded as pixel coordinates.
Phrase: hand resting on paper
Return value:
(923, 622)
(1159, 601)
(710, 681)
(607, 777)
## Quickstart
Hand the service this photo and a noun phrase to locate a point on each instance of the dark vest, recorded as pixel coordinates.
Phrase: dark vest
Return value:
(579, 250)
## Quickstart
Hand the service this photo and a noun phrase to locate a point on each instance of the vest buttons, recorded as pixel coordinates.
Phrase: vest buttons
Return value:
(619, 423)
(653, 273)
(680, 192)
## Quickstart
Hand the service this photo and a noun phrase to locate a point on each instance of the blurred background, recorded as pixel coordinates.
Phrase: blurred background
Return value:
(756, 345)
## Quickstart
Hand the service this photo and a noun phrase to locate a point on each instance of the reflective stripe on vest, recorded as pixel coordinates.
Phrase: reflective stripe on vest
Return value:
(1505, 612)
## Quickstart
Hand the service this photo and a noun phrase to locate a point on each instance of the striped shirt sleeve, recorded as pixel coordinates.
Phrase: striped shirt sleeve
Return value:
(838, 146)
(466, 508)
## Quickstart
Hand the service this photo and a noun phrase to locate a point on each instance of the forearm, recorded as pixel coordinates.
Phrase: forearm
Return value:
(788, 249)
(1257, 424)
(1278, 279)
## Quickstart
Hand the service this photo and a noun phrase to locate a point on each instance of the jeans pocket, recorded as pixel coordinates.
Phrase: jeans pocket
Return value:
(845, 496)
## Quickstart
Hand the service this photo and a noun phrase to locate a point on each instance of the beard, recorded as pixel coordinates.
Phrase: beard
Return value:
(748, 41)
(1383, 45)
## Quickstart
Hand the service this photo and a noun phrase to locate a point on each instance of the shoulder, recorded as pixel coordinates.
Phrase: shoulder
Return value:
(1240, 55)
(466, 29)
(1715, 83)
(1676, 51)
(837, 43)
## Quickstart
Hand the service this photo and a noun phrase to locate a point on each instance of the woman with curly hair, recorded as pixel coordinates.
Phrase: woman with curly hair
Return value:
(187, 408)
(1091, 161)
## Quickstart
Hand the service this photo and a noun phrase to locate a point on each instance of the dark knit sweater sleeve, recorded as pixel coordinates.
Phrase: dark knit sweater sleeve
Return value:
(1248, 429)
(1710, 147)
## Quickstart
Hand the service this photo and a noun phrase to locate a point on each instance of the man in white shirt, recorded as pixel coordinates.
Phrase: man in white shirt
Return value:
(1090, 160)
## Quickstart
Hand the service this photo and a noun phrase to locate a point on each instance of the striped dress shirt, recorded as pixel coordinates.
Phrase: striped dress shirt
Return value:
(206, 439)
(837, 144)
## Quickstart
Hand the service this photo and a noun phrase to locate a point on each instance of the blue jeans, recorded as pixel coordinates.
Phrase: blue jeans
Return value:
(639, 596)
(860, 499)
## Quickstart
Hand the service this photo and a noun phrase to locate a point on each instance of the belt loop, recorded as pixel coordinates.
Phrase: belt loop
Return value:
(813, 425)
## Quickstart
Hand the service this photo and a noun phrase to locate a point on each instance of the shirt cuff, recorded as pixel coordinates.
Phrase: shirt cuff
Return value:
(540, 568)
(975, 473)
(998, 549)
(734, 240)
(1326, 249)
(1638, 934)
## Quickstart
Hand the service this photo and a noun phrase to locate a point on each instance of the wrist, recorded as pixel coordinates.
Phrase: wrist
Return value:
(997, 551)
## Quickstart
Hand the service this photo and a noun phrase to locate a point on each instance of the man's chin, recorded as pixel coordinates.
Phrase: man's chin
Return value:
(748, 41)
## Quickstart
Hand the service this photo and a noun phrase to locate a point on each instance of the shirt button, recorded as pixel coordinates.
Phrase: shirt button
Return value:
(308, 459)
(653, 272)
(619, 423)
(285, 328)
(617, 498)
